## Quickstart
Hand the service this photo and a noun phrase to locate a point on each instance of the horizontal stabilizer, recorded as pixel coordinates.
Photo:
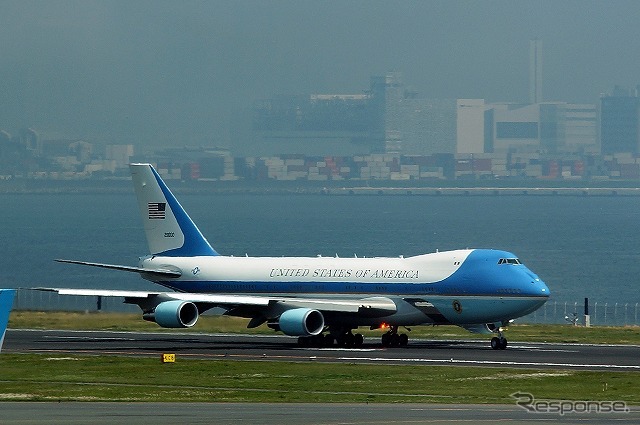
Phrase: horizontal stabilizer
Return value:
(157, 272)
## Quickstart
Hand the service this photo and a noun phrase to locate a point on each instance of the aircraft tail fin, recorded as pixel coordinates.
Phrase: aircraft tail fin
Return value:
(168, 228)
(6, 301)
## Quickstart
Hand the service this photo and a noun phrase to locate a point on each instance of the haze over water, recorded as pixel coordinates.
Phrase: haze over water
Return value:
(580, 246)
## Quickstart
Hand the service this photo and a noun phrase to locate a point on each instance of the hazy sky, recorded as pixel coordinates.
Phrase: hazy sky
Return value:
(160, 72)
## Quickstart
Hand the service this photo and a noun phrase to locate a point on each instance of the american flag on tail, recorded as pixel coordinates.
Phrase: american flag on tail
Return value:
(157, 210)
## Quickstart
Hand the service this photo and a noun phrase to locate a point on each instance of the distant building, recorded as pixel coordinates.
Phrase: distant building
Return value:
(470, 126)
(29, 138)
(67, 154)
(535, 71)
(619, 122)
(580, 129)
(385, 119)
(514, 127)
(428, 126)
(313, 125)
(548, 127)
(390, 119)
(386, 98)
(121, 154)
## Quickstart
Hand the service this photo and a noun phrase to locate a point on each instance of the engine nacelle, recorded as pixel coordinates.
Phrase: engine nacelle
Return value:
(174, 314)
(301, 322)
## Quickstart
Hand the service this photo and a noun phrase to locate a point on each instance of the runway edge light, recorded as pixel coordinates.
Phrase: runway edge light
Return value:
(6, 302)
(168, 358)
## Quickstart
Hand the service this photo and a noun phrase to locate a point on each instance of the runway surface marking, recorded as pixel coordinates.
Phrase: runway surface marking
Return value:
(91, 338)
(358, 359)
(490, 363)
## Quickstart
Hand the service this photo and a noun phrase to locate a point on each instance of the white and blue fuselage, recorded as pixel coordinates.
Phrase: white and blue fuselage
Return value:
(486, 285)
(478, 289)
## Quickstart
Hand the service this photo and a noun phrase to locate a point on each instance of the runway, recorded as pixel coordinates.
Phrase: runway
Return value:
(283, 348)
(288, 414)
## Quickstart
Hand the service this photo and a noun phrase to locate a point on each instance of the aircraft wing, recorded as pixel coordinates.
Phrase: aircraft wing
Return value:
(156, 272)
(133, 296)
(372, 306)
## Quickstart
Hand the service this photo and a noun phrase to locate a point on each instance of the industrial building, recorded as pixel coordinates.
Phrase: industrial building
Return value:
(390, 119)
(549, 127)
(620, 122)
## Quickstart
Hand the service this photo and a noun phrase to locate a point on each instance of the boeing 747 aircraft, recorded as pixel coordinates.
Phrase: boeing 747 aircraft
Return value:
(321, 300)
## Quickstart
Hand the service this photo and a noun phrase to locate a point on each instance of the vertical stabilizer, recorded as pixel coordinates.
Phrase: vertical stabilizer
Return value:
(6, 301)
(169, 229)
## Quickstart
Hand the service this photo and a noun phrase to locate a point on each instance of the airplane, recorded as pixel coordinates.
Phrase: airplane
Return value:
(6, 301)
(321, 300)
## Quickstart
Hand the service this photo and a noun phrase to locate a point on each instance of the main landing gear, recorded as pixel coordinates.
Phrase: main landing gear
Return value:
(338, 337)
(393, 339)
(499, 342)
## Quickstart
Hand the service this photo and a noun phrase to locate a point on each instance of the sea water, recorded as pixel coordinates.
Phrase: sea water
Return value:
(580, 246)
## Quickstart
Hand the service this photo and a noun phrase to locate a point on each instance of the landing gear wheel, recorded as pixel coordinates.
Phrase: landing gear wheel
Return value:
(404, 340)
(495, 343)
(498, 343)
(349, 340)
(386, 339)
(358, 340)
(394, 339)
(343, 337)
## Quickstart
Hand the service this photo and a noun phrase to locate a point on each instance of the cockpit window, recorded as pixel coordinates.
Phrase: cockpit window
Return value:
(509, 261)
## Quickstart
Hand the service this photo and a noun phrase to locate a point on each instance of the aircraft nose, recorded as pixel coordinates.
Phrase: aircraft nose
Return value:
(544, 289)
(536, 286)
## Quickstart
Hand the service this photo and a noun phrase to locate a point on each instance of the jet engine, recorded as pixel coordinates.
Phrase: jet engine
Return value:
(174, 314)
(301, 322)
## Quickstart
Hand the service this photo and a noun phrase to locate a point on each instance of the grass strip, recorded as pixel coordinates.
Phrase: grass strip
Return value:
(223, 324)
(33, 377)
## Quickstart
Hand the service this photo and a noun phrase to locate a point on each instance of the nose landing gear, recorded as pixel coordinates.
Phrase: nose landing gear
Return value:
(499, 342)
